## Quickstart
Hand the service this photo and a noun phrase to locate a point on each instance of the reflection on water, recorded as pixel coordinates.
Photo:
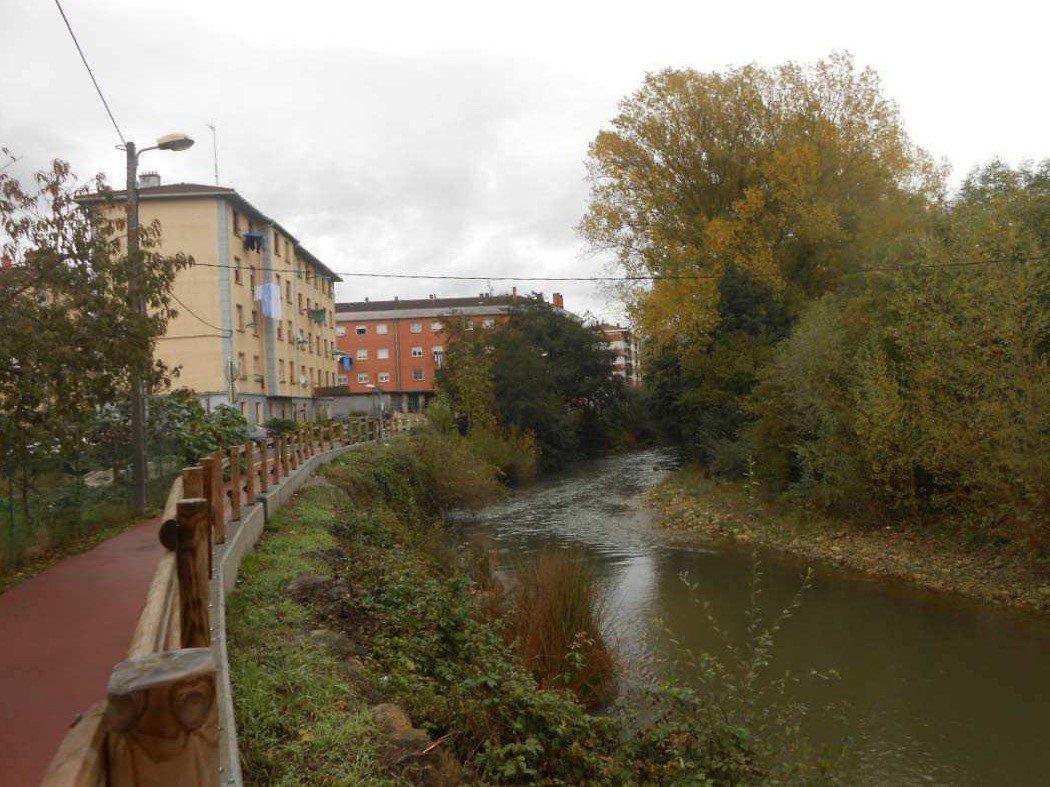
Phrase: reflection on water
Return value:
(940, 691)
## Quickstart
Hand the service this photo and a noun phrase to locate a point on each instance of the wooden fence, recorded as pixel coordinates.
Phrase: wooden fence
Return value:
(167, 717)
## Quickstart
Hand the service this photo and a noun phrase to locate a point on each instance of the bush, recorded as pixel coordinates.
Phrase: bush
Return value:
(514, 453)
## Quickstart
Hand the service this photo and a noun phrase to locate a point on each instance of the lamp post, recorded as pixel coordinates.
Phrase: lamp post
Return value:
(173, 142)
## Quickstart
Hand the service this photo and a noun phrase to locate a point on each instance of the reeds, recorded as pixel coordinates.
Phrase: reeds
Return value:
(555, 617)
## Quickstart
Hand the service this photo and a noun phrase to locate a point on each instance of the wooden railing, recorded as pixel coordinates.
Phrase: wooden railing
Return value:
(159, 724)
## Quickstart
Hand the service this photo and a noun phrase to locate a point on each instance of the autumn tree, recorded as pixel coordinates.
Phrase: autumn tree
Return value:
(769, 184)
(924, 392)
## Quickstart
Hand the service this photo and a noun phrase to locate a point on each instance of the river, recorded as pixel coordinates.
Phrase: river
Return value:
(938, 690)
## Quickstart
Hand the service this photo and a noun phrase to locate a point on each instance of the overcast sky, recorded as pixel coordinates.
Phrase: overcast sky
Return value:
(450, 138)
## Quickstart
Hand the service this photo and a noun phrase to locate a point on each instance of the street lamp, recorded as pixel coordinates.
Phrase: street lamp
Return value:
(378, 393)
(173, 142)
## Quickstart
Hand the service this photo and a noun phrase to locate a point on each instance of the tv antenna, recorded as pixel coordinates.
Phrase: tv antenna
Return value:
(214, 150)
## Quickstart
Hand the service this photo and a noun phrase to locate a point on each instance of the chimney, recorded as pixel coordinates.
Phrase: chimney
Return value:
(557, 300)
(514, 293)
(148, 180)
(431, 296)
(395, 297)
(366, 299)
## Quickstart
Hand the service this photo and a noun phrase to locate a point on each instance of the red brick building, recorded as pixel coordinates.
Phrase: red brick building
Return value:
(397, 346)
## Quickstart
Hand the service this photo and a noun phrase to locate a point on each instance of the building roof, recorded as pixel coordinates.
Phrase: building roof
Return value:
(424, 307)
(203, 191)
(424, 303)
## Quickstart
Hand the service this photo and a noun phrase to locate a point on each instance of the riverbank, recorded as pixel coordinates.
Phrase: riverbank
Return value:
(694, 509)
(367, 648)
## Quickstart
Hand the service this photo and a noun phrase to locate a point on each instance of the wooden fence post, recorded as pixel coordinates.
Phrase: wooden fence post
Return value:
(193, 481)
(192, 551)
(213, 492)
(249, 465)
(235, 482)
(163, 721)
(264, 465)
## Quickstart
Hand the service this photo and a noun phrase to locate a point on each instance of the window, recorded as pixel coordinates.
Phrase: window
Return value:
(291, 333)
(437, 327)
(240, 317)
(280, 332)
(340, 331)
(361, 330)
(251, 278)
(362, 355)
(255, 364)
(383, 353)
(381, 329)
(417, 352)
(280, 371)
(255, 322)
(310, 342)
(343, 379)
(277, 244)
(415, 327)
(288, 291)
(236, 224)
(362, 377)
(489, 324)
(237, 270)
(468, 325)
(384, 377)
(417, 374)
(439, 356)
(242, 364)
(300, 302)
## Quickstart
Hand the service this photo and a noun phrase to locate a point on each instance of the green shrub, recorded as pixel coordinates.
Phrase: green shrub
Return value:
(514, 453)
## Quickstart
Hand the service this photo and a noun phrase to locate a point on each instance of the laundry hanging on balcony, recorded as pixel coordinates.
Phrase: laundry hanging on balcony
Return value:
(269, 295)
(319, 316)
(253, 241)
(346, 362)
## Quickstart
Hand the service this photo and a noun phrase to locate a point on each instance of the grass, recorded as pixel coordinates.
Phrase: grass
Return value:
(555, 619)
(299, 720)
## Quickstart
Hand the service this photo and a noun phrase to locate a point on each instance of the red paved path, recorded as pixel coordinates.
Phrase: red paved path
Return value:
(61, 632)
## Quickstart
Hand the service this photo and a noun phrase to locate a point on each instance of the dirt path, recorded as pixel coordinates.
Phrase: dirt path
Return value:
(61, 632)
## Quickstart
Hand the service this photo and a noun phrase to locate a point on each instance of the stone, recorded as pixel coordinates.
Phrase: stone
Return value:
(390, 719)
(306, 585)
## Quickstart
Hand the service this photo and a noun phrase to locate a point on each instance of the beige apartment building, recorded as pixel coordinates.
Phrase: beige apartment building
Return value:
(256, 312)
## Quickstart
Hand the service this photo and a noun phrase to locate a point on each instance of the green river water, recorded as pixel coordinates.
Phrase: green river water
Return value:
(938, 691)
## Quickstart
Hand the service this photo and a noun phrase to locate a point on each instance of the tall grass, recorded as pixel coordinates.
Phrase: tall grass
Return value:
(555, 617)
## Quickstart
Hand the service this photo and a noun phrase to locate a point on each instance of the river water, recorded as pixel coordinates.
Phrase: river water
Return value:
(938, 691)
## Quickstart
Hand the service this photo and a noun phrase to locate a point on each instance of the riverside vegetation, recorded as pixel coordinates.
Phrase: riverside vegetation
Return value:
(825, 318)
(355, 620)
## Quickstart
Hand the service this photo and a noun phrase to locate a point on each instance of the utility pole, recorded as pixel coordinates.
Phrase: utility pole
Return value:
(138, 304)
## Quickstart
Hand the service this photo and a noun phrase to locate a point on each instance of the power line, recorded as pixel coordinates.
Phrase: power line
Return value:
(650, 277)
(91, 74)
(192, 313)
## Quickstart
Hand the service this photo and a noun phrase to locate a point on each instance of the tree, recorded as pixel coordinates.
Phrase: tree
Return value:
(747, 194)
(70, 333)
(542, 372)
